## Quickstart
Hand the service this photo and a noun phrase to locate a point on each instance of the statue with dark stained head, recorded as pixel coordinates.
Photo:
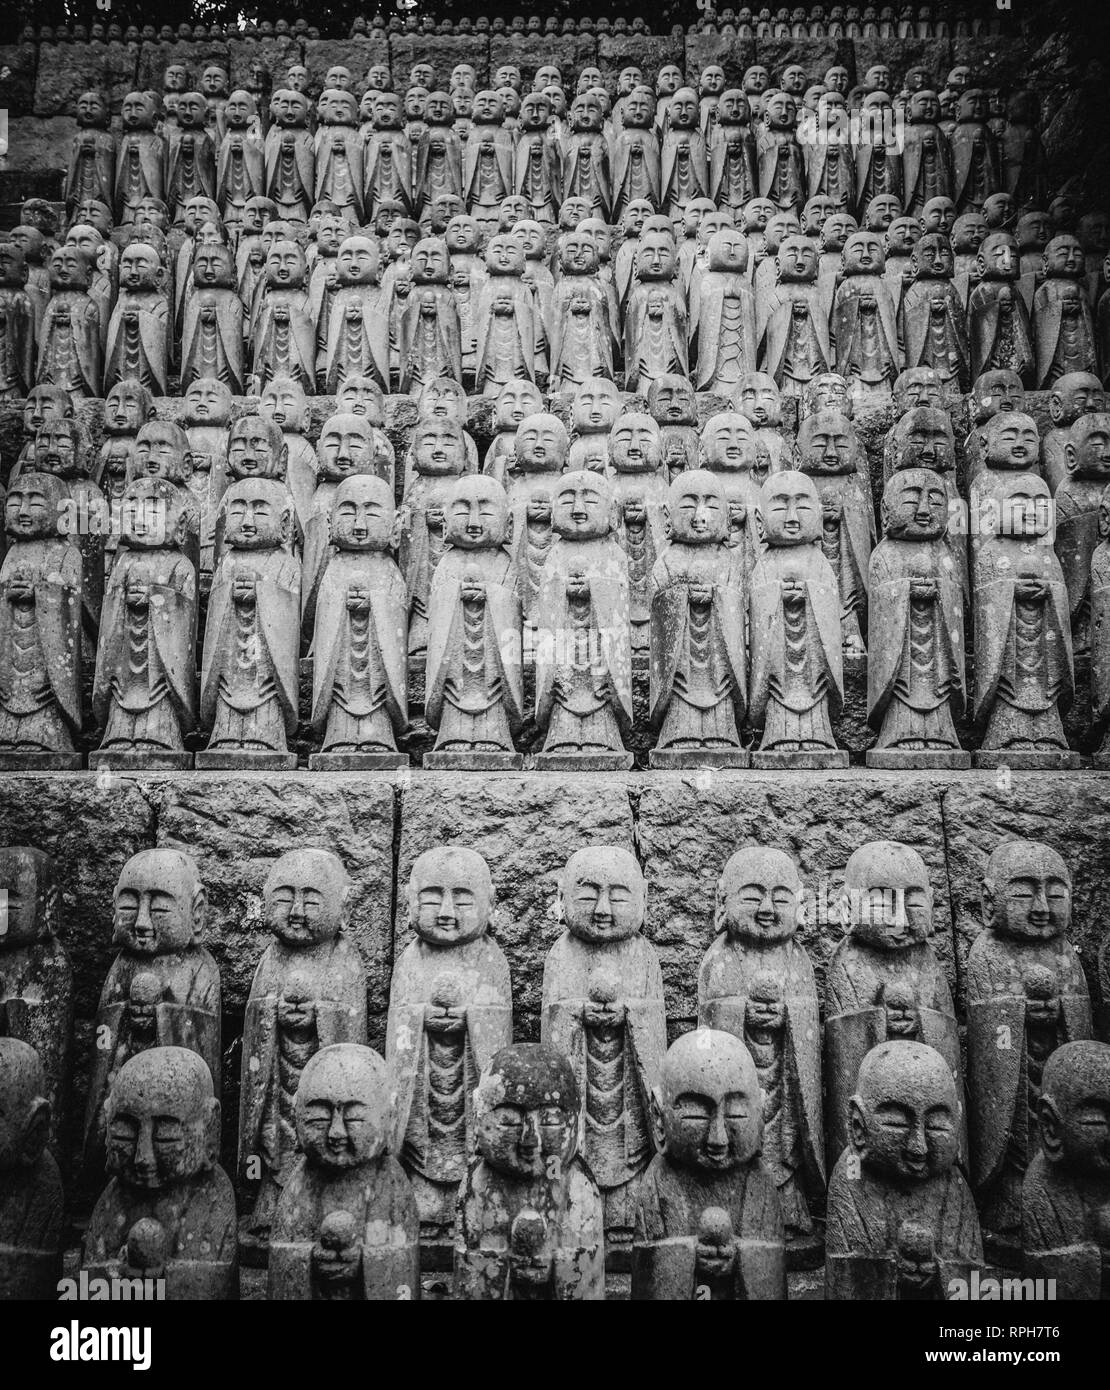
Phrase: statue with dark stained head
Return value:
(32, 1209)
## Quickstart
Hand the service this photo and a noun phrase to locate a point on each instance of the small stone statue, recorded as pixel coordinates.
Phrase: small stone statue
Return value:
(862, 325)
(732, 159)
(36, 979)
(387, 157)
(190, 156)
(932, 319)
(758, 399)
(709, 1225)
(603, 1009)
(283, 336)
(359, 321)
(999, 329)
(450, 1012)
(31, 1199)
(505, 319)
(360, 671)
(581, 327)
(1026, 995)
(1067, 1185)
(18, 325)
(992, 393)
(438, 458)
(140, 167)
(655, 331)
(308, 992)
(976, 169)
(1063, 324)
(249, 670)
(594, 411)
(1078, 499)
(926, 160)
(474, 683)
(1073, 396)
(289, 158)
(92, 160)
(756, 982)
(639, 483)
(637, 168)
(884, 980)
(901, 1218)
(240, 173)
(1024, 667)
(529, 1220)
(537, 176)
(794, 337)
(338, 150)
(586, 171)
(138, 331)
(699, 664)
(797, 678)
(163, 1140)
(781, 166)
(41, 593)
(515, 401)
(71, 350)
(430, 342)
(673, 405)
(728, 449)
(213, 322)
(722, 315)
(915, 671)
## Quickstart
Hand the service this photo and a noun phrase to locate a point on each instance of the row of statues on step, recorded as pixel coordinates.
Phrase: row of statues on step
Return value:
(742, 581)
(525, 1163)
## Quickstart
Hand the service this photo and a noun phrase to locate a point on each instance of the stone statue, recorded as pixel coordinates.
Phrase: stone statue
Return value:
(541, 448)
(637, 169)
(450, 1012)
(1024, 669)
(976, 169)
(190, 156)
(138, 331)
(308, 992)
(240, 171)
(505, 319)
(289, 158)
(1077, 517)
(213, 322)
(901, 1218)
(529, 1222)
(603, 1009)
(781, 166)
(18, 326)
(438, 458)
(931, 318)
(916, 607)
(722, 315)
(1073, 396)
(732, 161)
(487, 171)
(338, 152)
(1100, 657)
(360, 671)
(283, 335)
(586, 171)
(999, 329)
(728, 449)
(792, 331)
(430, 339)
(1063, 324)
(830, 454)
(144, 689)
(757, 983)
(537, 175)
(582, 329)
(673, 405)
(359, 317)
(758, 399)
(36, 979)
(698, 658)
(163, 1136)
(514, 403)
(41, 594)
(140, 165)
(655, 332)
(884, 979)
(71, 353)
(639, 483)
(31, 1199)
(992, 393)
(1067, 1184)
(249, 670)
(862, 326)
(474, 683)
(926, 160)
(595, 409)
(387, 157)
(797, 678)
(1026, 995)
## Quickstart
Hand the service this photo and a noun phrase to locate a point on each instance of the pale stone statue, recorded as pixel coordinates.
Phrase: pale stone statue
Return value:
(1026, 995)
(515, 401)
(1063, 321)
(757, 983)
(308, 992)
(140, 166)
(529, 1222)
(639, 483)
(758, 399)
(901, 1218)
(655, 333)
(581, 326)
(722, 315)
(728, 447)
(71, 348)
(505, 320)
(213, 322)
(594, 411)
(430, 343)
(359, 320)
(1000, 333)
(283, 335)
(931, 316)
(862, 325)
(1073, 396)
(540, 455)
(18, 325)
(138, 331)
(673, 405)
(603, 1009)
(797, 678)
(32, 1204)
(793, 332)
(450, 1012)
(698, 687)
(438, 459)
(884, 979)
(289, 159)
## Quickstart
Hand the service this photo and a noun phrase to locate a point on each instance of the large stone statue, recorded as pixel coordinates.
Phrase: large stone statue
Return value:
(474, 690)
(41, 591)
(884, 979)
(797, 678)
(387, 157)
(1026, 995)
(537, 175)
(529, 1222)
(698, 687)
(163, 988)
(487, 167)
(190, 156)
(901, 1222)
(144, 690)
(163, 1126)
(583, 637)
(308, 992)
(603, 1009)
(976, 169)
(31, 1199)
(758, 398)
(360, 646)
(249, 670)
(1067, 1185)
(757, 983)
(345, 1227)
(709, 1225)
(637, 168)
(36, 979)
(450, 1012)
(71, 354)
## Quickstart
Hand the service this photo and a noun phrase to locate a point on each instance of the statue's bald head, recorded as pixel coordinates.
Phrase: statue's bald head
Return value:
(24, 1109)
(603, 893)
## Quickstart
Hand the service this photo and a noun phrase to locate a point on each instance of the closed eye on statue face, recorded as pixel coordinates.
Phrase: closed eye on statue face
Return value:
(317, 1114)
(168, 1130)
(892, 1116)
(939, 1120)
(1021, 889)
(123, 1130)
(1092, 1114)
(1056, 890)
(737, 1107)
(692, 1109)
(355, 1113)
(162, 903)
(916, 898)
(127, 902)
(509, 1117)
(619, 895)
(551, 1117)
(283, 896)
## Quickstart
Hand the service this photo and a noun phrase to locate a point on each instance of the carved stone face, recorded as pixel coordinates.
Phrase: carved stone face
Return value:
(932, 257)
(638, 109)
(733, 108)
(27, 880)
(829, 391)
(915, 506)
(904, 1117)
(345, 447)
(477, 510)
(727, 251)
(780, 112)
(450, 896)
(505, 256)
(126, 408)
(285, 403)
(547, 76)
(1011, 441)
(794, 80)
(837, 80)
(758, 896)
(826, 443)
(1088, 450)
(361, 395)
(32, 506)
(191, 111)
(1075, 1109)
(305, 897)
(1025, 509)
(289, 108)
(635, 445)
(162, 1120)
(668, 80)
(151, 511)
(757, 79)
(438, 447)
(175, 78)
(69, 269)
(256, 449)
(526, 1110)
(697, 508)
(24, 1109)
(709, 1106)
(672, 401)
(596, 406)
(541, 444)
(159, 904)
(655, 258)
(583, 506)
(603, 895)
(881, 212)
(1027, 891)
(439, 109)
(796, 258)
(759, 399)
(997, 391)
(213, 268)
(239, 110)
(1063, 258)
(213, 81)
(257, 514)
(285, 266)
(728, 443)
(162, 451)
(938, 215)
(363, 515)
(342, 1108)
(878, 78)
(1074, 395)
(578, 254)
(923, 439)
(791, 510)
(888, 900)
(137, 111)
(58, 449)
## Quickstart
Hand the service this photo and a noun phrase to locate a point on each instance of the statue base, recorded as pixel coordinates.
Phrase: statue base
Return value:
(584, 762)
(806, 1251)
(807, 759)
(918, 759)
(1028, 760)
(139, 760)
(244, 760)
(681, 759)
(12, 761)
(358, 762)
(474, 762)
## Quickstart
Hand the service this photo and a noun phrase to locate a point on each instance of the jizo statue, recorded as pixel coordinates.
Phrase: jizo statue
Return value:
(1100, 643)
(32, 1204)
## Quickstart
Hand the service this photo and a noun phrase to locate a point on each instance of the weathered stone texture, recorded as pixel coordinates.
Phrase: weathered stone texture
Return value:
(815, 55)
(356, 54)
(443, 51)
(570, 53)
(18, 64)
(155, 58)
(648, 52)
(277, 55)
(65, 70)
(734, 55)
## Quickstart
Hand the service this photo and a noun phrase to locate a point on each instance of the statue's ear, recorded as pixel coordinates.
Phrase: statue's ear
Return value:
(507, 538)
(200, 913)
(1051, 1127)
(1104, 520)
(720, 920)
(1071, 455)
(212, 1133)
(36, 1132)
(857, 1127)
(283, 456)
(188, 464)
(160, 276)
(397, 528)
(668, 529)
(287, 528)
(658, 1133)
